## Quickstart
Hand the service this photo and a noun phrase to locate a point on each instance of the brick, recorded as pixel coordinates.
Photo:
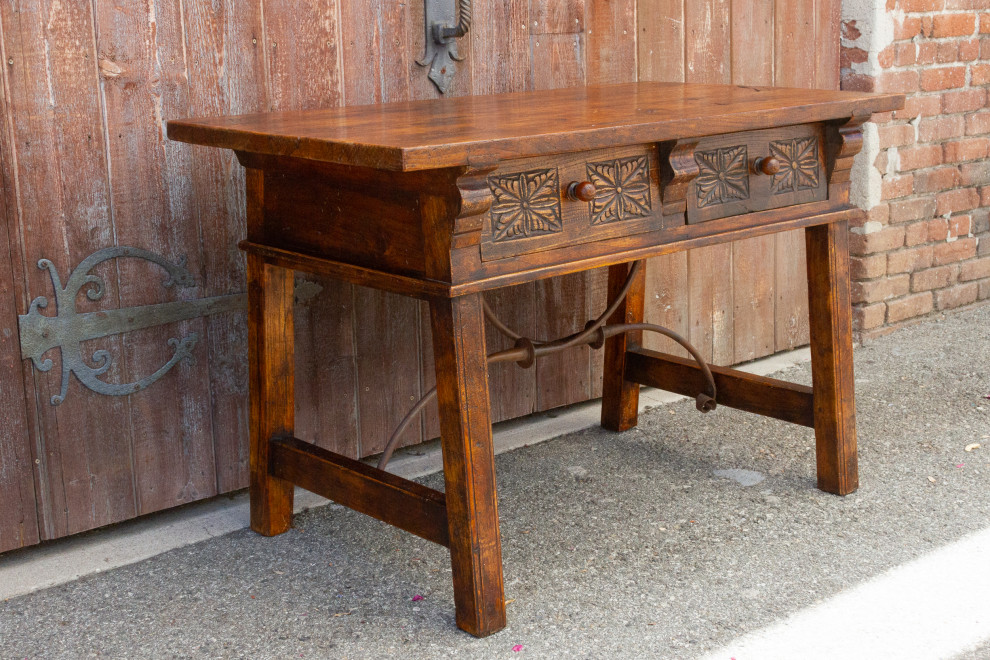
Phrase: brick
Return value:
(960, 225)
(975, 174)
(979, 74)
(953, 25)
(966, 100)
(958, 151)
(908, 28)
(908, 6)
(883, 157)
(947, 253)
(947, 51)
(985, 49)
(935, 180)
(886, 239)
(933, 278)
(981, 221)
(984, 290)
(969, 50)
(978, 123)
(849, 56)
(909, 307)
(879, 213)
(943, 77)
(856, 82)
(927, 26)
(936, 129)
(897, 186)
(867, 317)
(884, 288)
(907, 81)
(983, 250)
(906, 210)
(882, 117)
(954, 201)
(922, 105)
(985, 196)
(976, 269)
(985, 24)
(910, 260)
(938, 229)
(967, 4)
(868, 267)
(919, 156)
(915, 234)
(926, 52)
(906, 53)
(957, 296)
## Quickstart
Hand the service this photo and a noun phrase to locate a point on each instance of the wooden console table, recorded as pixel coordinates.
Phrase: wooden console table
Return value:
(442, 200)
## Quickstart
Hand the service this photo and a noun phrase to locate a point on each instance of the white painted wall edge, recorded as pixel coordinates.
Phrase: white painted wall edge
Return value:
(64, 560)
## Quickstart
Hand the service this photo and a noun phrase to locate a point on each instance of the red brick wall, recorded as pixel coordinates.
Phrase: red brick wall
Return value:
(925, 245)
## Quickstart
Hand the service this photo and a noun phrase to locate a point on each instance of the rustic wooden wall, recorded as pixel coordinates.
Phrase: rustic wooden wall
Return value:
(86, 87)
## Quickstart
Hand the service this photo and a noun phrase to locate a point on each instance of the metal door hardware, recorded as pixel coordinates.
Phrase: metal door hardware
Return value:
(445, 24)
(68, 328)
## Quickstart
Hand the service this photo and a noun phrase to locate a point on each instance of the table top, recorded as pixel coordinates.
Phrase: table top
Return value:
(451, 132)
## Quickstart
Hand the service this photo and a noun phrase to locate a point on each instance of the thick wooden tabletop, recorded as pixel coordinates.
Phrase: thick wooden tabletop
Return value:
(452, 132)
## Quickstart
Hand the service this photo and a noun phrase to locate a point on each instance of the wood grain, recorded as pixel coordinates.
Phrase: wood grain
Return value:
(468, 464)
(83, 447)
(736, 389)
(754, 260)
(832, 358)
(18, 515)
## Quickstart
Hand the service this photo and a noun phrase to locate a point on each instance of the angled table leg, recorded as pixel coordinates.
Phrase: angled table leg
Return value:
(832, 357)
(270, 355)
(468, 463)
(620, 397)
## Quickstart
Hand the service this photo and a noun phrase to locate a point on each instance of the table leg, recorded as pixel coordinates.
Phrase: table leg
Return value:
(832, 357)
(468, 463)
(620, 397)
(271, 373)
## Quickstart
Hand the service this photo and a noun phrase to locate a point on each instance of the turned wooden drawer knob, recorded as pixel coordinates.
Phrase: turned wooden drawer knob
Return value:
(583, 191)
(768, 165)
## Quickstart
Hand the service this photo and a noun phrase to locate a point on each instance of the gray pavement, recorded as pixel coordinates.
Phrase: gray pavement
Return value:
(638, 545)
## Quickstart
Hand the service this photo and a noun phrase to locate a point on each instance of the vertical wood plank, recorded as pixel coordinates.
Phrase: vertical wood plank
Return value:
(18, 515)
(610, 57)
(794, 66)
(564, 378)
(708, 59)
(84, 472)
(620, 398)
(226, 41)
(145, 69)
(377, 59)
(500, 45)
(661, 57)
(305, 70)
(557, 16)
(753, 260)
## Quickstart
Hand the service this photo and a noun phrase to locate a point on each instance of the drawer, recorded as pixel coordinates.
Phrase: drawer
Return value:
(536, 202)
(730, 181)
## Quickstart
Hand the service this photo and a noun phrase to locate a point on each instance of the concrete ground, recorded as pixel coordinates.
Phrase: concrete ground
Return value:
(692, 536)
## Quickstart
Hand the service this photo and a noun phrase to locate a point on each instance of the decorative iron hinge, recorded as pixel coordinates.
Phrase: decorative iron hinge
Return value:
(68, 328)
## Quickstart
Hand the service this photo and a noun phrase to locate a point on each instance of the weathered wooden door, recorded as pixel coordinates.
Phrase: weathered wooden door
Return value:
(86, 88)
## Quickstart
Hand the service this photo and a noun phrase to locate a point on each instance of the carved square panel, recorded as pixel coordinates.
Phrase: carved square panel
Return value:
(525, 204)
(800, 168)
(622, 189)
(723, 175)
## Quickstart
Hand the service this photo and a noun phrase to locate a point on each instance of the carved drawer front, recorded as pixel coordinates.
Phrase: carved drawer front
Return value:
(745, 172)
(545, 203)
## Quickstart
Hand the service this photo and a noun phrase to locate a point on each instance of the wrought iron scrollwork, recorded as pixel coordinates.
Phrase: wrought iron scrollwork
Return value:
(526, 351)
